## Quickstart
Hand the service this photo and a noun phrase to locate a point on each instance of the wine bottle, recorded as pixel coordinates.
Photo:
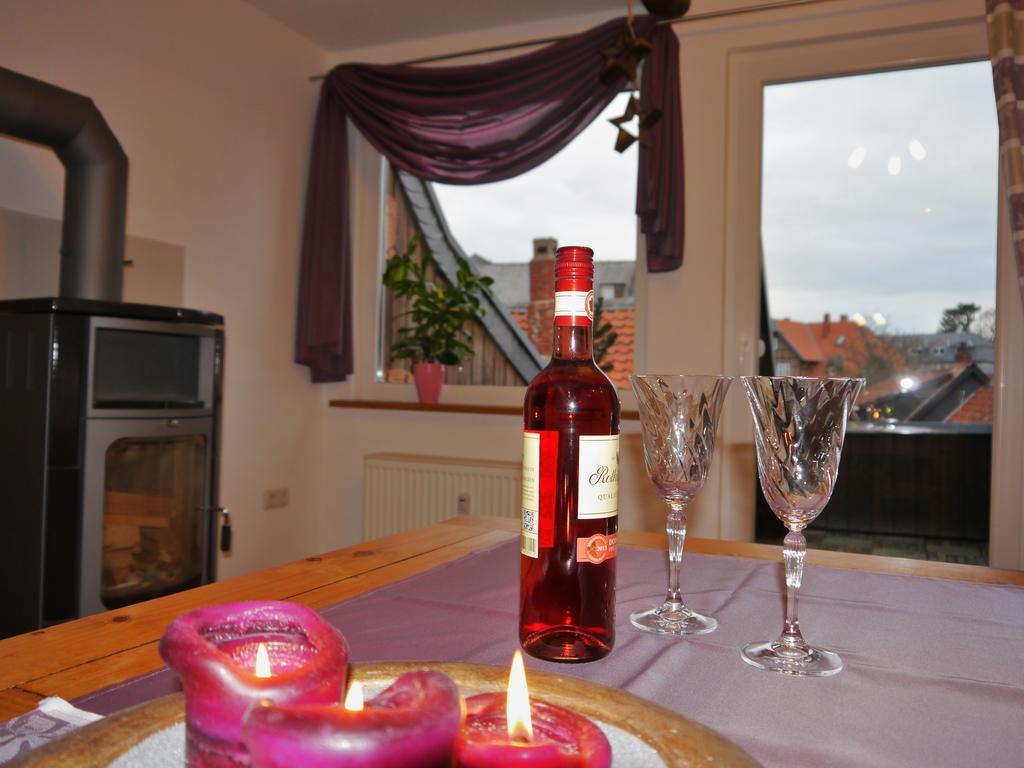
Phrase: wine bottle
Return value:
(570, 484)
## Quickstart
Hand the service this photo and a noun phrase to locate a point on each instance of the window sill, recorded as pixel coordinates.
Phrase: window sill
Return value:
(400, 405)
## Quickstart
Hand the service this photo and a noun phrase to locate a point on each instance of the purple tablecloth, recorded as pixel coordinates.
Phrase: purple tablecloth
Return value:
(934, 669)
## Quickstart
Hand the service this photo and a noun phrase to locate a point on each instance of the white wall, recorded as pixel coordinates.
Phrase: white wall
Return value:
(212, 105)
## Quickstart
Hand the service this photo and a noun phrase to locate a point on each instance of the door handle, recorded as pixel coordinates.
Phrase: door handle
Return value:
(225, 526)
(225, 530)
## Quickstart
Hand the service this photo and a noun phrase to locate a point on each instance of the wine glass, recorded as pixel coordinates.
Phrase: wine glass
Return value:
(679, 418)
(799, 425)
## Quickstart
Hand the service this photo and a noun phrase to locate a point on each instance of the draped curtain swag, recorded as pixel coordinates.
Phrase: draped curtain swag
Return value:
(1005, 19)
(471, 125)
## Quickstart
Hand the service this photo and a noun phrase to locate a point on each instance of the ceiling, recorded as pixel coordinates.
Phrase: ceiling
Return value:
(337, 25)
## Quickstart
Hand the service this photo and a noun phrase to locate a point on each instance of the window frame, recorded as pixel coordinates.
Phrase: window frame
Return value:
(369, 174)
(932, 33)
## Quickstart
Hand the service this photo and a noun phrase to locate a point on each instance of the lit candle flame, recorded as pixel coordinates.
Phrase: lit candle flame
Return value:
(262, 661)
(354, 698)
(517, 705)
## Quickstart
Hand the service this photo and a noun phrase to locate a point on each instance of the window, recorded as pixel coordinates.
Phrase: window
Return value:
(586, 195)
(895, 265)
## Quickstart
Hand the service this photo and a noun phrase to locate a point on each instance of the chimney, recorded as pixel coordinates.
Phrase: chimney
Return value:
(844, 319)
(826, 325)
(963, 353)
(540, 314)
(542, 269)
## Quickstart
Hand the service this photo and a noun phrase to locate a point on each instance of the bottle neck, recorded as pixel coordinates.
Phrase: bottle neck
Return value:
(574, 313)
(572, 342)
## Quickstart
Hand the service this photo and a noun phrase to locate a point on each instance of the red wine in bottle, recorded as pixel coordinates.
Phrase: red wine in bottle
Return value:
(570, 484)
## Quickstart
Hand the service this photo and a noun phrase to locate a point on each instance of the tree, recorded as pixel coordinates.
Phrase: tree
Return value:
(984, 324)
(604, 337)
(877, 364)
(959, 318)
(877, 368)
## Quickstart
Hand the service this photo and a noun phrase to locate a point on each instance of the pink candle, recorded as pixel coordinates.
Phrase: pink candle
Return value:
(217, 653)
(510, 730)
(412, 724)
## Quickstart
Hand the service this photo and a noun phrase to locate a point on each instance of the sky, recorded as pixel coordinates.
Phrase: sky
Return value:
(584, 195)
(835, 239)
(844, 240)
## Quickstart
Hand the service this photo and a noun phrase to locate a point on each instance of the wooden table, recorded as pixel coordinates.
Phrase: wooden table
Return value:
(79, 657)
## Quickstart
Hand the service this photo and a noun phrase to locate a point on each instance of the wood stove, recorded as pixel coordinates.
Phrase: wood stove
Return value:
(109, 434)
(109, 412)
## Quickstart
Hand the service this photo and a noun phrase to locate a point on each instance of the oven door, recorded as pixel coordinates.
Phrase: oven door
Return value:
(146, 528)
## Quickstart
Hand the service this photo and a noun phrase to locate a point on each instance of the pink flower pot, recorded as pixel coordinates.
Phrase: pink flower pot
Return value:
(429, 378)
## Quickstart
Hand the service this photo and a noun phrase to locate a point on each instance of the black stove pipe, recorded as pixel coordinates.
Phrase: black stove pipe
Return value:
(95, 183)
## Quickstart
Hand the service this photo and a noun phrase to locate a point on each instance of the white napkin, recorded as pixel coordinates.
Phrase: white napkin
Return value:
(51, 719)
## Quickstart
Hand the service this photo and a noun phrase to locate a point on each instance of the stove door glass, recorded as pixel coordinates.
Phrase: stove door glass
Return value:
(153, 517)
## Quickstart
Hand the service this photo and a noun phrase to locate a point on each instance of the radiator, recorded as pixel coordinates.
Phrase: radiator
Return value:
(403, 491)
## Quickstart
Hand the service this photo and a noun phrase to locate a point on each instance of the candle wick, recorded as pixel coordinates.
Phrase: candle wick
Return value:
(521, 734)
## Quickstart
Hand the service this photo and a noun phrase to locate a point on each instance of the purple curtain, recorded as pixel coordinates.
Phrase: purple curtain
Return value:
(1006, 47)
(471, 125)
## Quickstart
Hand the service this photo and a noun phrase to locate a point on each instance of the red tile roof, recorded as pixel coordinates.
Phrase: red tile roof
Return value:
(818, 343)
(977, 409)
(623, 322)
(801, 339)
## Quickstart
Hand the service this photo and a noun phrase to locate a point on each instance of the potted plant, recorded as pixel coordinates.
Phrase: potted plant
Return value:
(438, 316)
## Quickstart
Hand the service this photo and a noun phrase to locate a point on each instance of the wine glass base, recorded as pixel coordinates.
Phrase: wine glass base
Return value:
(803, 662)
(673, 620)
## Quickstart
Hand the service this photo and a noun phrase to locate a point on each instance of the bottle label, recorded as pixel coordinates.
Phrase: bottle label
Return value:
(597, 548)
(574, 308)
(540, 462)
(598, 491)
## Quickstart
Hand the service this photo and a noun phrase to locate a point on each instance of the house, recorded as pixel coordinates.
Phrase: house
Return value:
(957, 394)
(925, 377)
(214, 104)
(832, 348)
(924, 350)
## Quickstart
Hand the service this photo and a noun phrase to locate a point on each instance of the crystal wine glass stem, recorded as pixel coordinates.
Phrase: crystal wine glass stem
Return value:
(676, 529)
(794, 547)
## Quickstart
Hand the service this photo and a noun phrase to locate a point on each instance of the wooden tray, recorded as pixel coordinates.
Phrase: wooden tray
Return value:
(681, 743)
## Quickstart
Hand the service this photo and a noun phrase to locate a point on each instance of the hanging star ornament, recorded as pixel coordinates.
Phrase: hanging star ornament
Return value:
(632, 110)
(622, 57)
(645, 119)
